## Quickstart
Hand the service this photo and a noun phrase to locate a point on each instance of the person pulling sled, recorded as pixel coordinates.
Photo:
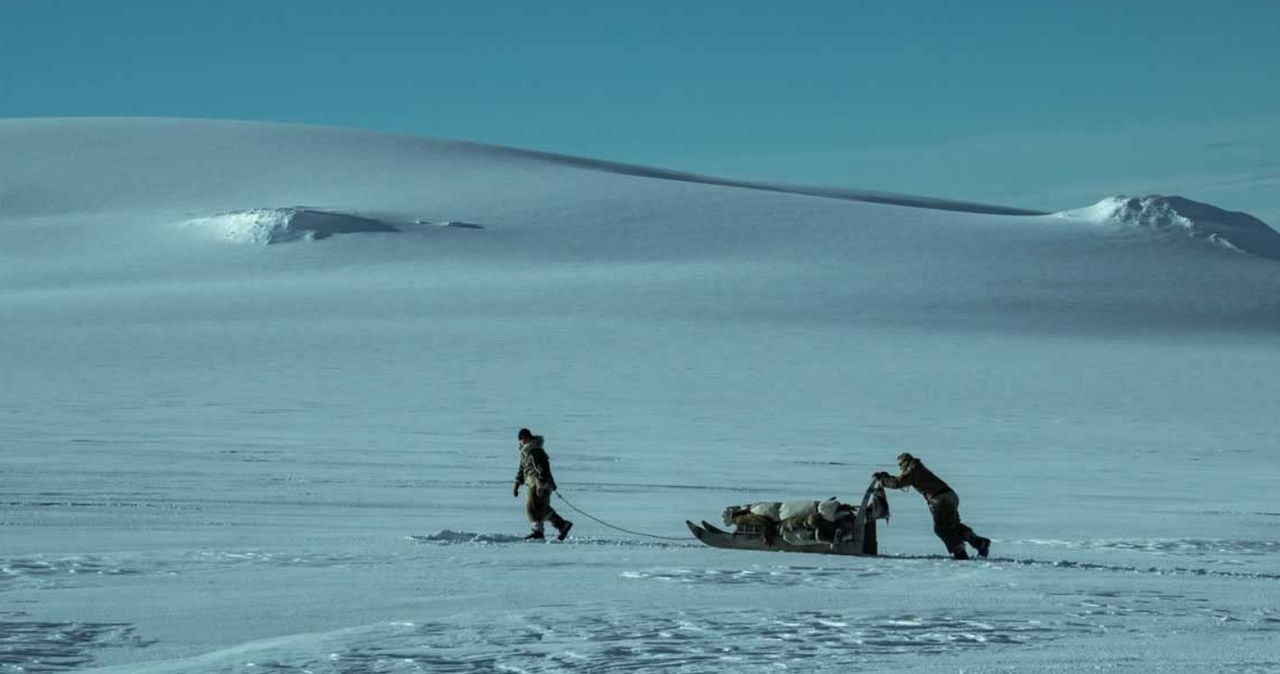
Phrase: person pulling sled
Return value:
(944, 505)
(535, 473)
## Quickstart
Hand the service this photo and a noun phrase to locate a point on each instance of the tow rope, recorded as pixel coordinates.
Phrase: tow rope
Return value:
(597, 519)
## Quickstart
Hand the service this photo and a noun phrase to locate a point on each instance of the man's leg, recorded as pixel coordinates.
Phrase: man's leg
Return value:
(982, 545)
(561, 524)
(979, 543)
(546, 512)
(535, 506)
(945, 509)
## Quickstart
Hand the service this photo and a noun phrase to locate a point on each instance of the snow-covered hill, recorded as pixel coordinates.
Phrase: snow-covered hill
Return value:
(90, 195)
(174, 161)
(261, 384)
(1180, 217)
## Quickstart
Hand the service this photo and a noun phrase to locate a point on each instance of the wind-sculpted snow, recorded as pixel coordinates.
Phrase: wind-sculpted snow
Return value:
(621, 641)
(1212, 548)
(692, 640)
(28, 645)
(892, 565)
(449, 537)
(44, 572)
(279, 225)
(1177, 216)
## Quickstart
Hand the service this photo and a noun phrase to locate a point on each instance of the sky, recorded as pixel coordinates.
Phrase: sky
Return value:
(1038, 105)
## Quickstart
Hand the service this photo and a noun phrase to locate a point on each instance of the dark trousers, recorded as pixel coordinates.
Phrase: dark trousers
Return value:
(537, 506)
(945, 509)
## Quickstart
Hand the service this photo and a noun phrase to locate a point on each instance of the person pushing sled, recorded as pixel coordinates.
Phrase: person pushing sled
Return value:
(831, 527)
(944, 505)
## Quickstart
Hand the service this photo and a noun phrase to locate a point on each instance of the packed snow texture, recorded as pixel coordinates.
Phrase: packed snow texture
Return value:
(298, 457)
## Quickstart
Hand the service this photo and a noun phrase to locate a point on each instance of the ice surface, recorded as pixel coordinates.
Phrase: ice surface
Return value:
(298, 457)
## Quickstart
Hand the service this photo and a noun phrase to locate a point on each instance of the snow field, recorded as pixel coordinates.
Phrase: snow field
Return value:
(295, 453)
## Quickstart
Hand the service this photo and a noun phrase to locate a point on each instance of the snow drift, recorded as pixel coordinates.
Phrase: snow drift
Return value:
(277, 225)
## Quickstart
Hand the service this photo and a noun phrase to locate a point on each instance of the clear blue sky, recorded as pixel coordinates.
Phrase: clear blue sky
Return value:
(1037, 104)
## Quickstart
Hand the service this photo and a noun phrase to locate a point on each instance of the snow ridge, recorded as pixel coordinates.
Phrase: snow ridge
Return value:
(1173, 215)
(68, 151)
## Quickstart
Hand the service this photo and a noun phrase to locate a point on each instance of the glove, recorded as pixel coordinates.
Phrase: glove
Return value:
(515, 491)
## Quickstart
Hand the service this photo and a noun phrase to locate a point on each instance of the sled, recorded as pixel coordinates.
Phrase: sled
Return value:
(851, 532)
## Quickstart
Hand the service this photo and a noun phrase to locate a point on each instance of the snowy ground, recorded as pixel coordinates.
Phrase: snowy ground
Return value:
(261, 386)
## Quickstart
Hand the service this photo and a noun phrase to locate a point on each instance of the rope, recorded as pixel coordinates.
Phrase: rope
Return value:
(597, 519)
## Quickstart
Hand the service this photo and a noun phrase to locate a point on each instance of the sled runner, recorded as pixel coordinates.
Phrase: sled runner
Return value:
(827, 527)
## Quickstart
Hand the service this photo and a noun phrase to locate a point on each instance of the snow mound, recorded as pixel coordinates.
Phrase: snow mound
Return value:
(1183, 217)
(280, 225)
(450, 537)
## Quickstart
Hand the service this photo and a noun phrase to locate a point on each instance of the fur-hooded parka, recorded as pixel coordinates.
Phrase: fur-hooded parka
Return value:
(535, 466)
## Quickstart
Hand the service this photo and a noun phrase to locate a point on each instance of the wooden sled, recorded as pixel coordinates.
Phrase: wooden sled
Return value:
(859, 539)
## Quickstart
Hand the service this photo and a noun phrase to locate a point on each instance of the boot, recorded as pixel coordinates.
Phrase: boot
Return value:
(535, 535)
(564, 530)
(983, 545)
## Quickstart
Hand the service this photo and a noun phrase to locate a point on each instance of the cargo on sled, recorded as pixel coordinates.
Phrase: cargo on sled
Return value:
(828, 527)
